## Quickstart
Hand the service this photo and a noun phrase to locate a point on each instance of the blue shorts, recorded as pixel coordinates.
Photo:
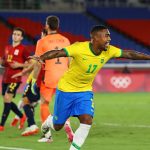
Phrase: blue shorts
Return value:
(72, 104)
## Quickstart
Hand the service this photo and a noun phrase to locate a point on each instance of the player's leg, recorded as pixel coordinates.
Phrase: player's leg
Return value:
(28, 98)
(12, 88)
(44, 109)
(46, 97)
(84, 109)
(69, 131)
(6, 109)
(20, 106)
(32, 127)
(22, 117)
(46, 127)
(16, 118)
(61, 113)
(28, 111)
(82, 132)
(10, 91)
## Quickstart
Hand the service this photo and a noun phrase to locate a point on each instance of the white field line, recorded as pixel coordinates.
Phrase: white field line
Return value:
(13, 148)
(121, 125)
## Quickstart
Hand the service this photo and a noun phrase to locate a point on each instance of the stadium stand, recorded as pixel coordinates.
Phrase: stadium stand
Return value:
(5, 33)
(123, 35)
(34, 22)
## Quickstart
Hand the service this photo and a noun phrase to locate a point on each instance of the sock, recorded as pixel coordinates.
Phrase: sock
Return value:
(20, 106)
(67, 122)
(49, 122)
(6, 111)
(48, 135)
(44, 111)
(30, 115)
(80, 136)
(15, 109)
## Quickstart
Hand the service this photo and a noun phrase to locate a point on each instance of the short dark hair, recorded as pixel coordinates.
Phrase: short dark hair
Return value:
(20, 29)
(44, 31)
(53, 22)
(97, 28)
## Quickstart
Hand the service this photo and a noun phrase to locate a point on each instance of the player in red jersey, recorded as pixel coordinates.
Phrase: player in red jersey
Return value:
(13, 60)
(30, 100)
(27, 69)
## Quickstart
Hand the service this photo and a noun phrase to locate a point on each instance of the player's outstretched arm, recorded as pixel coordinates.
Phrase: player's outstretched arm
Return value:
(35, 73)
(53, 54)
(16, 65)
(49, 55)
(130, 54)
(28, 67)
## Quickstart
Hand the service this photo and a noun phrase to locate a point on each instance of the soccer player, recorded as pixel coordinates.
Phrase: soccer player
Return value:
(28, 69)
(54, 69)
(74, 96)
(30, 100)
(14, 57)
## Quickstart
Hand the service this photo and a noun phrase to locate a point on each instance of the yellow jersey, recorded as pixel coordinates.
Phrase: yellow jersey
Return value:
(84, 66)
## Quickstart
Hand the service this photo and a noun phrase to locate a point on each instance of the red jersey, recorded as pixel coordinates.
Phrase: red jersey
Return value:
(19, 54)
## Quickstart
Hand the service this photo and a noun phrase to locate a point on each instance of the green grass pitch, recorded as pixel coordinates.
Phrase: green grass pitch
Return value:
(121, 122)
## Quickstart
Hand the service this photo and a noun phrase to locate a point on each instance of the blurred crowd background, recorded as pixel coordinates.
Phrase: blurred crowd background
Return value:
(68, 4)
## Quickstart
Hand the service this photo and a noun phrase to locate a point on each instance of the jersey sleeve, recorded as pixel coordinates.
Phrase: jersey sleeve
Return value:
(116, 52)
(39, 48)
(72, 50)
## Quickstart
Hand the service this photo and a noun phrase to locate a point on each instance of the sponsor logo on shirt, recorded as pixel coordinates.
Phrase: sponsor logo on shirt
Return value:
(16, 52)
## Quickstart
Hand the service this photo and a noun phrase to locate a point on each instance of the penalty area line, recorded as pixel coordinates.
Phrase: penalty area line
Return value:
(13, 148)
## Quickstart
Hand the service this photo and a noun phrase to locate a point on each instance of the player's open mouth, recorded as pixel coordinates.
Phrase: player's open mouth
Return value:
(107, 44)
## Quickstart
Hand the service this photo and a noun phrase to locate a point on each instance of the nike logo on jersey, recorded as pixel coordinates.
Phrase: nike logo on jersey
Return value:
(102, 60)
(84, 58)
(55, 117)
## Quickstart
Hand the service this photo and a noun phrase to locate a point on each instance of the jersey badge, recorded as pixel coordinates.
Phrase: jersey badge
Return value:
(16, 52)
